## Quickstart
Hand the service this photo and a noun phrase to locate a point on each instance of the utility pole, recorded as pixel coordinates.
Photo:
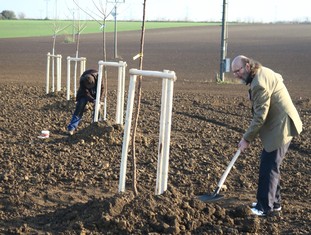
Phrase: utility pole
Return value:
(114, 14)
(47, 9)
(55, 9)
(73, 26)
(115, 30)
(224, 37)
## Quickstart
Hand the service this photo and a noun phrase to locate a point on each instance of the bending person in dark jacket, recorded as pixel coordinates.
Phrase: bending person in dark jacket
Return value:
(86, 93)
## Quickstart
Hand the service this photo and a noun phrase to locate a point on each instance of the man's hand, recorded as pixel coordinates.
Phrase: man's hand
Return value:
(243, 145)
(100, 103)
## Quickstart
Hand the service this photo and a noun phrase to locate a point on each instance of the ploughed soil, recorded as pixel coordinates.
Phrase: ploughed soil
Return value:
(69, 184)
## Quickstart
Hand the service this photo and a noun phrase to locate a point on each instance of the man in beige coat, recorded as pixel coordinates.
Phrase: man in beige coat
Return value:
(275, 120)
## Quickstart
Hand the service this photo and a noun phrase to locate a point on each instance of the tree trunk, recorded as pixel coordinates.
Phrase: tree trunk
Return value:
(138, 101)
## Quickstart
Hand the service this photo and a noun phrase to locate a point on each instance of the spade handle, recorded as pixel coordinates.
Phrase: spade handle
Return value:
(225, 174)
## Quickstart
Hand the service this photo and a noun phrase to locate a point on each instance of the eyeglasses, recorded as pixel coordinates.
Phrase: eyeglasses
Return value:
(238, 70)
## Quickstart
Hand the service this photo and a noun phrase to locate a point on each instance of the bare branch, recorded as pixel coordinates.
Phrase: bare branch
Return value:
(87, 13)
(101, 9)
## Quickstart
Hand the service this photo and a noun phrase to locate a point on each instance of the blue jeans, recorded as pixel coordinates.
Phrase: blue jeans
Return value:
(78, 113)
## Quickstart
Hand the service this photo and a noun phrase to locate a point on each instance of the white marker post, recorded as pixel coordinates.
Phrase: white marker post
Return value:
(168, 79)
(58, 72)
(82, 61)
(120, 91)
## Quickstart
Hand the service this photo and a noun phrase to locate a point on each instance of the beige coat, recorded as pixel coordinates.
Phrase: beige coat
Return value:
(275, 117)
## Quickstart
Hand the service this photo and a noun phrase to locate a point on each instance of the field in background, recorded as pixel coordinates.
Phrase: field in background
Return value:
(36, 28)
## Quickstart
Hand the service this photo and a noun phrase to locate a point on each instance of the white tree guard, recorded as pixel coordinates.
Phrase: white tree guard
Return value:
(82, 61)
(120, 90)
(58, 72)
(168, 79)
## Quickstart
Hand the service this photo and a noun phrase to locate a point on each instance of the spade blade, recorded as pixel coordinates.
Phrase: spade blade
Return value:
(210, 197)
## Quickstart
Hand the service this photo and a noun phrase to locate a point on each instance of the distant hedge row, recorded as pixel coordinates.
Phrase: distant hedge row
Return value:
(7, 15)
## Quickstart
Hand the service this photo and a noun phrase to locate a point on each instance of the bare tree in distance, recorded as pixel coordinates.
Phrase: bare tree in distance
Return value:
(21, 16)
(78, 28)
(103, 15)
(56, 30)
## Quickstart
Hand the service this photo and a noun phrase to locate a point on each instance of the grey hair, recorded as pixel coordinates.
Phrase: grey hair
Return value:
(253, 64)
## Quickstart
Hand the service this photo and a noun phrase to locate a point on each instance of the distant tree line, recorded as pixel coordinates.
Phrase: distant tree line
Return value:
(7, 15)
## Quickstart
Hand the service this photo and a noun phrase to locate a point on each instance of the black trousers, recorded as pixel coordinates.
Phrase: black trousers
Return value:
(269, 189)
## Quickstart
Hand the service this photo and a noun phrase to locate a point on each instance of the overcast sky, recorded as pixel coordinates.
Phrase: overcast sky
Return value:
(195, 10)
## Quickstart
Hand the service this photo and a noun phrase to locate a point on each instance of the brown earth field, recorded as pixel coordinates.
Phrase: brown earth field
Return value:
(69, 184)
